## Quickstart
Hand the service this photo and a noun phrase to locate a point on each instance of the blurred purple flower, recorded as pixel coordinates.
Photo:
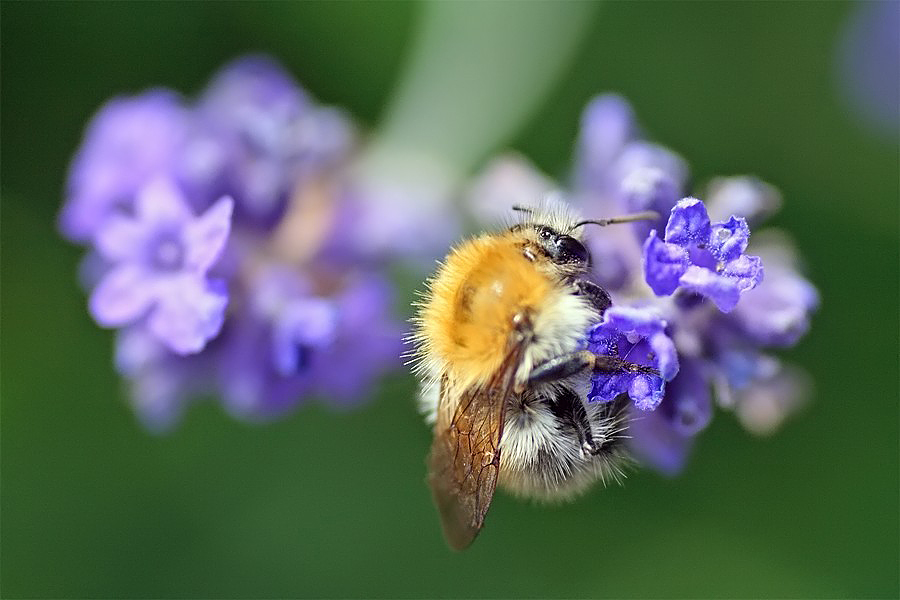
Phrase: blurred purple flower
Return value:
(129, 141)
(245, 302)
(868, 64)
(275, 137)
(160, 261)
(616, 171)
(745, 197)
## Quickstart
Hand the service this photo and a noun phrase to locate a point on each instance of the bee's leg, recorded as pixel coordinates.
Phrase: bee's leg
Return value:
(597, 296)
(569, 364)
(567, 407)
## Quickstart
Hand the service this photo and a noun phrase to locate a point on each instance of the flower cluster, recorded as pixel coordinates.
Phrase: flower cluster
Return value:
(210, 227)
(690, 299)
(239, 253)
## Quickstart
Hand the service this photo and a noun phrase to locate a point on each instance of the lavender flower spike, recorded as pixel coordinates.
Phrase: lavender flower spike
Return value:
(701, 257)
(160, 262)
(635, 334)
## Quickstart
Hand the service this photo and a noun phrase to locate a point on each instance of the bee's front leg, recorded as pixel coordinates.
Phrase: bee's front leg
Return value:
(598, 297)
(562, 366)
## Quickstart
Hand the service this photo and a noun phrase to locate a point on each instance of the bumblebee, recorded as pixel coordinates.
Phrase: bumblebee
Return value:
(498, 344)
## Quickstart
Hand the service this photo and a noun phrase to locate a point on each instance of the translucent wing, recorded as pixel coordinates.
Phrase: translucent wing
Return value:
(465, 455)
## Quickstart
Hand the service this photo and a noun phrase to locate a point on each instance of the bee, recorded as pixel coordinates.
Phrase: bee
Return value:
(498, 340)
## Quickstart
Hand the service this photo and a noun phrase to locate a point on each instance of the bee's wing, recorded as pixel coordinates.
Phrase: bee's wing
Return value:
(465, 456)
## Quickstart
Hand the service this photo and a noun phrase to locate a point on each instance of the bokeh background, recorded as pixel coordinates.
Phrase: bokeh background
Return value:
(334, 504)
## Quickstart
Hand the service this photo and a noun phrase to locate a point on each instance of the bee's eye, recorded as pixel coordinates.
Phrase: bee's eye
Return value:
(545, 233)
(569, 250)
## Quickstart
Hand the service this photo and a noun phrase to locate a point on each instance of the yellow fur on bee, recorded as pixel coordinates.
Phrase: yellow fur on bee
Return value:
(467, 318)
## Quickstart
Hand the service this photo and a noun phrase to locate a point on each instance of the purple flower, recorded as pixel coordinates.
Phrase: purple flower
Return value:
(764, 404)
(367, 341)
(654, 442)
(276, 242)
(129, 142)
(300, 321)
(295, 344)
(742, 196)
(701, 257)
(249, 382)
(617, 172)
(778, 311)
(868, 62)
(607, 124)
(160, 258)
(637, 335)
(663, 438)
(274, 136)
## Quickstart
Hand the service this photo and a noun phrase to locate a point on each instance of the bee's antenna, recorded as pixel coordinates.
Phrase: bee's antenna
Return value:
(647, 215)
(524, 209)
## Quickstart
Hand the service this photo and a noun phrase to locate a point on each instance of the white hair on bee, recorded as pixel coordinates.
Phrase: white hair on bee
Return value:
(553, 211)
(546, 460)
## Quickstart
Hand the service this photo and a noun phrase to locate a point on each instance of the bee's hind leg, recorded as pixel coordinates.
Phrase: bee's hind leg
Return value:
(562, 366)
(567, 407)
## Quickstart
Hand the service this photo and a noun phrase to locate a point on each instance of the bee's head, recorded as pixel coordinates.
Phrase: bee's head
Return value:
(563, 249)
(554, 234)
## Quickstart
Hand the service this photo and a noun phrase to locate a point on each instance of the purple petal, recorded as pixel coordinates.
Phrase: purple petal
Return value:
(729, 240)
(646, 392)
(643, 321)
(613, 259)
(869, 64)
(206, 236)
(746, 270)
(664, 264)
(688, 223)
(249, 385)
(764, 405)
(640, 155)
(136, 349)
(252, 87)
(607, 388)
(128, 142)
(122, 296)
(159, 396)
(367, 337)
(742, 196)
(305, 325)
(688, 404)
(189, 314)
(723, 291)
(778, 311)
(666, 355)
(505, 182)
(160, 201)
(120, 238)
(607, 124)
(649, 189)
(657, 443)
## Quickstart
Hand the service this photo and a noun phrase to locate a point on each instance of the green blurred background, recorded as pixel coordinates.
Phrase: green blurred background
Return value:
(325, 504)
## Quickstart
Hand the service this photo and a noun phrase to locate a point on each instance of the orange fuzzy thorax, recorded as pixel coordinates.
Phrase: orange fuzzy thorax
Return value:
(468, 316)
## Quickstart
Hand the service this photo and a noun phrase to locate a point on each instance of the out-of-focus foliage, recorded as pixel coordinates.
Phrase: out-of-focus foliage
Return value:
(325, 504)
